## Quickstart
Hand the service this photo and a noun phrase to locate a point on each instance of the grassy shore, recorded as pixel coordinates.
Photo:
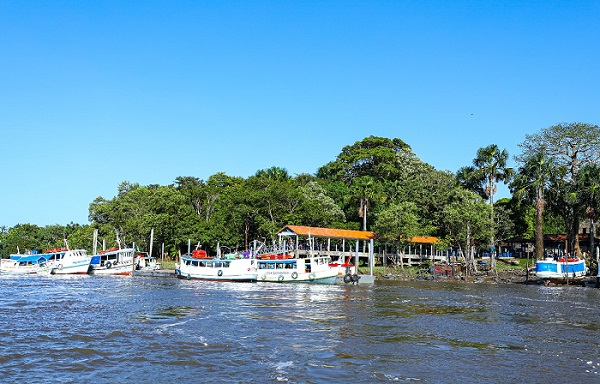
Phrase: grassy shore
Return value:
(505, 273)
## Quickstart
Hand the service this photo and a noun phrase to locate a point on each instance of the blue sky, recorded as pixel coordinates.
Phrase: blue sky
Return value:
(97, 93)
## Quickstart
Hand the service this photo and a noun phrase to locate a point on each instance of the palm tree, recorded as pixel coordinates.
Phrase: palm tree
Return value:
(490, 168)
(274, 173)
(588, 185)
(531, 183)
(365, 191)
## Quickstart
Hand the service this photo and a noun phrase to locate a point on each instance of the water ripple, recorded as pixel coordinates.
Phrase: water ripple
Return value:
(96, 329)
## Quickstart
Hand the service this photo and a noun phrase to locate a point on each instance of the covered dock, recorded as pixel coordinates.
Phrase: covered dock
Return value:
(342, 244)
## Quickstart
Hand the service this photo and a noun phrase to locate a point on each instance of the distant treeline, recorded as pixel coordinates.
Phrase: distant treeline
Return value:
(377, 183)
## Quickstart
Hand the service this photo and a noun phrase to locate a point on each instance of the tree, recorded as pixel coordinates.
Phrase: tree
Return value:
(137, 209)
(399, 222)
(274, 173)
(588, 183)
(534, 178)
(466, 219)
(365, 190)
(376, 157)
(317, 208)
(570, 145)
(490, 167)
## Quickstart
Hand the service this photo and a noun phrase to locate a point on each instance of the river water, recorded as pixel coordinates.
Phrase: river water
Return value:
(97, 329)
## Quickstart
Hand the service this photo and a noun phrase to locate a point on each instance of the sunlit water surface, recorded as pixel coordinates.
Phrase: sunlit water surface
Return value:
(163, 330)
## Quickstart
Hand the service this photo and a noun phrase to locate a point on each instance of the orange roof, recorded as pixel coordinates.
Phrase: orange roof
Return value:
(424, 240)
(300, 230)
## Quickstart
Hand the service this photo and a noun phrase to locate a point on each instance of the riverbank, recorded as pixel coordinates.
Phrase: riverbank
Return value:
(503, 276)
(507, 276)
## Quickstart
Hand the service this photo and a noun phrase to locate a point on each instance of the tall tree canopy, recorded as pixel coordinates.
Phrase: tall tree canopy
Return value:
(375, 157)
(534, 178)
(570, 146)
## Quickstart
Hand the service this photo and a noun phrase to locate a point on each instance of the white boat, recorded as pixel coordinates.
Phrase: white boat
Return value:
(231, 267)
(561, 270)
(64, 261)
(33, 264)
(283, 268)
(114, 261)
(144, 262)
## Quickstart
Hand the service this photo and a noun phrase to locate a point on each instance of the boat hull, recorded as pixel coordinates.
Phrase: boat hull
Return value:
(21, 271)
(304, 270)
(199, 275)
(288, 277)
(74, 267)
(121, 270)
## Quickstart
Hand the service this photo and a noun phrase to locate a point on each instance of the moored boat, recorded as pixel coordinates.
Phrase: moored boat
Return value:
(561, 270)
(114, 261)
(33, 264)
(64, 261)
(144, 262)
(283, 268)
(231, 267)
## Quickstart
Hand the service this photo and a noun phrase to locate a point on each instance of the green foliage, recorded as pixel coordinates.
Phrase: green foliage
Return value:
(467, 217)
(570, 146)
(375, 157)
(376, 183)
(398, 222)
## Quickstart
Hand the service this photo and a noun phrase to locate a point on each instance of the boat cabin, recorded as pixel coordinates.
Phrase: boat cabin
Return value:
(211, 263)
(304, 265)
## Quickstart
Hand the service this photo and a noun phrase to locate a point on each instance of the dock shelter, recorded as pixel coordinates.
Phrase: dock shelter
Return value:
(309, 234)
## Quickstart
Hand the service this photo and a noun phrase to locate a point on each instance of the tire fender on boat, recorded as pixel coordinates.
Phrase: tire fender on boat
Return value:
(108, 265)
(263, 277)
(348, 278)
(280, 278)
(312, 275)
(355, 278)
(220, 273)
(294, 275)
(59, 267)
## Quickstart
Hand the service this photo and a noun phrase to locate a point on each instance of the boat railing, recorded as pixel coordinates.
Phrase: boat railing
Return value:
(272, 249)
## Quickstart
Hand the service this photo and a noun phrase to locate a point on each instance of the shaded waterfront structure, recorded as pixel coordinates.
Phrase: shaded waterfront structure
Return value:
(303, 241)
(554, 244)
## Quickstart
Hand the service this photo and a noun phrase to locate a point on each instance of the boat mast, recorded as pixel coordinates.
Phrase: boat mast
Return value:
(151, 241)
(95, 242)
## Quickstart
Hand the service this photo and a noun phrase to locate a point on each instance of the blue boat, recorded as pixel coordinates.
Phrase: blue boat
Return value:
(31, 264)
(561, 270)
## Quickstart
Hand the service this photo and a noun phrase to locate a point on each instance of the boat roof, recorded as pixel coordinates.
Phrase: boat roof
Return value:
(332, 233)
(29, 258)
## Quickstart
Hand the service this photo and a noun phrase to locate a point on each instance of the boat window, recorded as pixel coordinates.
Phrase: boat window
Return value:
(261, 266)
(271, 266)
(202, 264)
(218, 264)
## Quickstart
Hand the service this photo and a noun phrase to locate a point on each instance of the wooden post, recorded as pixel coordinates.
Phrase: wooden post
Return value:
(371, 258)
(356, 257)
